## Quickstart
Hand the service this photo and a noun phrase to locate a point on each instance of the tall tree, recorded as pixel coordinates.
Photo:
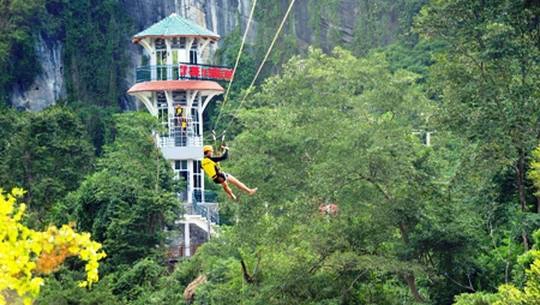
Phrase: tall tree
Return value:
(96, 33)
(488, 80)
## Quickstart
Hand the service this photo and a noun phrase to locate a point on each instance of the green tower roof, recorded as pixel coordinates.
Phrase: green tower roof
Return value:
(175, 26)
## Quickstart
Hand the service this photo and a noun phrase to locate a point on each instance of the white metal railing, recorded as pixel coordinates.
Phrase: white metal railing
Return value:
(178, 136)
(208, 211)
(179, 141)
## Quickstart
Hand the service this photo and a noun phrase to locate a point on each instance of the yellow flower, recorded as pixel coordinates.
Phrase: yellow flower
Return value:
(24, 253)
(17, 192)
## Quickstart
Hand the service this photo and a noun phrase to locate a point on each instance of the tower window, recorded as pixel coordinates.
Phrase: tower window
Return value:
(193, 52)
(180, 164)
(193, 57)
(160, 44)
(178, 43)
(179, 97)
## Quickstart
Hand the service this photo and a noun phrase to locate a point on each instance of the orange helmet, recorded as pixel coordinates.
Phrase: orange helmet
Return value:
(207, 148)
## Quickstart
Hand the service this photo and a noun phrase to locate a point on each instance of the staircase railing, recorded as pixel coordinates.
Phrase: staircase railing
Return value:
(204, 204)
(209, 211)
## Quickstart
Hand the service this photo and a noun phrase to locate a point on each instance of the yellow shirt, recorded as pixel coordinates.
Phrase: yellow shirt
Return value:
(210, 165)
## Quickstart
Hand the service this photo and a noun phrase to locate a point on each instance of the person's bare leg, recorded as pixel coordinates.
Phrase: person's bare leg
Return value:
(228, 190)
(241, 186)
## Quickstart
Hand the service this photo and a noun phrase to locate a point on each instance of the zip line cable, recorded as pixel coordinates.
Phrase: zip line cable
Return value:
(237, 61)
(264, 60)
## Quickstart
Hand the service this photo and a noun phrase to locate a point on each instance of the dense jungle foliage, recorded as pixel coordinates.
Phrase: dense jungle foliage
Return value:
(453, 222)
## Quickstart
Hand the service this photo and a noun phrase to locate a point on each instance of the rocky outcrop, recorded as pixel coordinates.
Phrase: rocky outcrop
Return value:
(48, 87)
(221, 16)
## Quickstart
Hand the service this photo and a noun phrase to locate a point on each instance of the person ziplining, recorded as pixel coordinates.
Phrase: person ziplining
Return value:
(210, 165)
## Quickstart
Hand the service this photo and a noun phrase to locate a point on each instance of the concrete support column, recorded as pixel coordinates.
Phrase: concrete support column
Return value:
(170, 110)
(190, 182)
(169, 61)
(207, 100)
(200, 113)
(190, 96)
(428, 137)
(187, 239)
(149, 102)
(202, 181)
(189, 43)
(148, 45)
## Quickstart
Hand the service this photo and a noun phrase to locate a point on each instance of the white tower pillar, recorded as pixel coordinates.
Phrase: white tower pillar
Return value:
(190, 182)
(187, 239)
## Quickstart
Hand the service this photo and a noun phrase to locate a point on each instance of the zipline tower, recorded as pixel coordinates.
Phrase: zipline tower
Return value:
(175, 83)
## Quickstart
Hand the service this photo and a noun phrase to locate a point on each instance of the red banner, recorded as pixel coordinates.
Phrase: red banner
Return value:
(205, 72)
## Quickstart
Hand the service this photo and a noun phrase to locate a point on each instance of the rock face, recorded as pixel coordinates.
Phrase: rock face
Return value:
(220, 16)
(48, 87)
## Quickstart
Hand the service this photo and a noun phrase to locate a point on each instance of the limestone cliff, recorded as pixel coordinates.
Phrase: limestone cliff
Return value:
(48, 87)
(312, 23)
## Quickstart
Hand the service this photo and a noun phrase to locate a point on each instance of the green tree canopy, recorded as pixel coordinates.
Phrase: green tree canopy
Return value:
(47, 153)
(129, 200)
(488, 82)
(340, 129)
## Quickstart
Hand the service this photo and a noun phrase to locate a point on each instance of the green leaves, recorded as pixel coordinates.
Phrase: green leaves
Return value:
(128, 202)
(47, 153)
(488, 82)
(331, 129)
(18, 60)
(95, 38)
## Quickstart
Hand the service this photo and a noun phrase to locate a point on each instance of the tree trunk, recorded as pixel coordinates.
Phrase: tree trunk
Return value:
(403, 231)
(411, 282)
(409, 276)
(189, 292)
(520, 172)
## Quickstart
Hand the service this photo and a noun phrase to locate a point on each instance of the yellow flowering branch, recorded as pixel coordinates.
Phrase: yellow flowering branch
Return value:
(26, 254)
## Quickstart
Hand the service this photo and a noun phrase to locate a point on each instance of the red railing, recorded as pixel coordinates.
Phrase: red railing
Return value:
(183, 71)
(205, 72)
